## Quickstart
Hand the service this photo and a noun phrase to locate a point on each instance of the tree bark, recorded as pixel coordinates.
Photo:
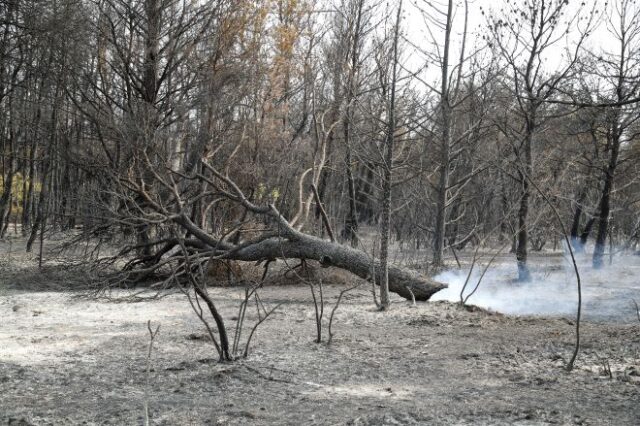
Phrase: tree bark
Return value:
(445, 147)
(526, 173)
(351, 225)
(402, 281)
(5, 199)
(605, 203)
(523, 236)
(385, 222)
(575, 223)
(293, 244)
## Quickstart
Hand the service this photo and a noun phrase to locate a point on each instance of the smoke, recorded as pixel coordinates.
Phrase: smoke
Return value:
(607, 293)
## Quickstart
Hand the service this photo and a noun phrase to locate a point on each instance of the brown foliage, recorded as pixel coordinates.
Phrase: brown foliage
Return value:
(223, 272)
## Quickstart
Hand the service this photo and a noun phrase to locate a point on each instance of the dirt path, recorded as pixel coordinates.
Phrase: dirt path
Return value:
(68, 361)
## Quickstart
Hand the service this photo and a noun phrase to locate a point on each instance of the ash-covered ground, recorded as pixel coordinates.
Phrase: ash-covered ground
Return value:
(68, 360)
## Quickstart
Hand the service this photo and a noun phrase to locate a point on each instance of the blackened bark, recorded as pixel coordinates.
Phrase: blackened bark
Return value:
(605, 202)
(523, 211)
(575, 224)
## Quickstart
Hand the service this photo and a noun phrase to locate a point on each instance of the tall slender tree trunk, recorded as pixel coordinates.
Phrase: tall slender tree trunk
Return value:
(522, 240)
(504, 206)
(153, 16)
(605, 201)
(364, 191)
(584, 236)
(42, 202)
(385, 223)
(27, 202)
(351, 225)
(617, 128)
(441, 204)
(9, 172)
(525, 194)
(445, 148)
(575, 223)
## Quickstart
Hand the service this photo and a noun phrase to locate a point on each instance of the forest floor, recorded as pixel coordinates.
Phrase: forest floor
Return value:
(69, 360)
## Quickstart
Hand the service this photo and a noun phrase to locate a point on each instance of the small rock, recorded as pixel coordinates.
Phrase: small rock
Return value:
(194, 336)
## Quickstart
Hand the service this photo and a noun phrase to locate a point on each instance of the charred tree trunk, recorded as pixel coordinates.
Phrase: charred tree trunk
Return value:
(385, 222)
(364, 193)
(504, 205)
(351, 223)
(575, 224)
(525, 172)
(605, 202)
(522, 236)
(5, 199)
(445, 148)
(402, 281)
(292, 244)
(41, 207)
(27, 201)
(523, 212)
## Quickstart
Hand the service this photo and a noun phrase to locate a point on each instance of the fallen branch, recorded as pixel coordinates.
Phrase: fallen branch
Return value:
(323, 213)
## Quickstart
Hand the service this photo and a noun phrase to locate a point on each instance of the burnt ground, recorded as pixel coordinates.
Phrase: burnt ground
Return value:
(68, 360)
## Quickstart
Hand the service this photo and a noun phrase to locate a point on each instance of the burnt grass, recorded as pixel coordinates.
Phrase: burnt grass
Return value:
(69, 360)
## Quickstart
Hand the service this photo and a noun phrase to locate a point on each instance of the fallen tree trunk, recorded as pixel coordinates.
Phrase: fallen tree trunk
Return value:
(293, 244)
(402, 281)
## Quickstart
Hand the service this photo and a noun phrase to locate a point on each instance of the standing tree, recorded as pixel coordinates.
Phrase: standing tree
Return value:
(526, 36)
(615, 73)
(387, 166)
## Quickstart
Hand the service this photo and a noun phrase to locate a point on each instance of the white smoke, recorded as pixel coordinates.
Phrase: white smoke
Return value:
(607, 293)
